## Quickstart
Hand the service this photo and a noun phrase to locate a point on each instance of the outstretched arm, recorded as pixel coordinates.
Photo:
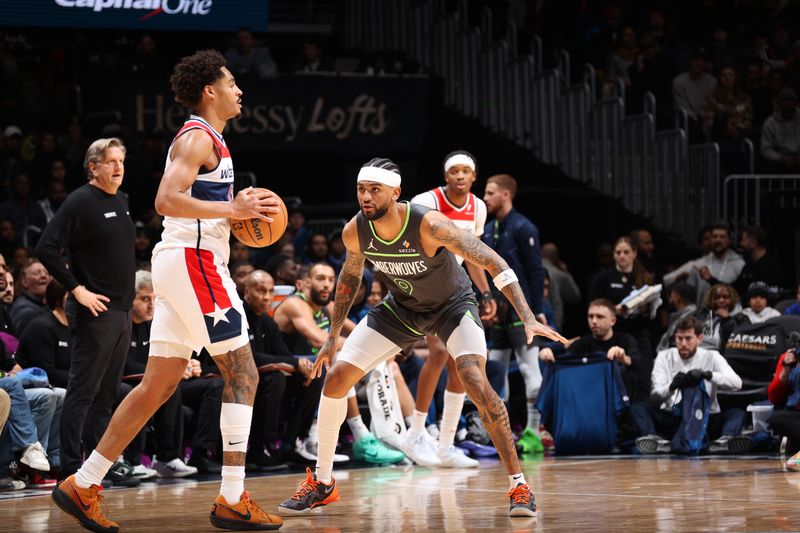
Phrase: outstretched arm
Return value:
(437, 231)
(346, 290)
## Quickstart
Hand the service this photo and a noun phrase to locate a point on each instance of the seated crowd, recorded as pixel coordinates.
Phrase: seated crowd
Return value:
(655, 360)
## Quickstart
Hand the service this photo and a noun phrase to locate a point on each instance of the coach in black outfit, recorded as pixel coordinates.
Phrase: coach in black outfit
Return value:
(95, 230)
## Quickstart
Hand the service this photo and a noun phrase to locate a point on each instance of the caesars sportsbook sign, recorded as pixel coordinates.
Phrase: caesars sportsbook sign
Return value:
(222, 15)
(353, 114)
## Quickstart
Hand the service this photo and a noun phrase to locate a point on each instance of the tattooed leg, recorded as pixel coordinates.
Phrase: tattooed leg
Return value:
(241, 380)
(472, 371)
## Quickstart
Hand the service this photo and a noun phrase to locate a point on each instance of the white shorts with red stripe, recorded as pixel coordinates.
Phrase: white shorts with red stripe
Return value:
(196, 305)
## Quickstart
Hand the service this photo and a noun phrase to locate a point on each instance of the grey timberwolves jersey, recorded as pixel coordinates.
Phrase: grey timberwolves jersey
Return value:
(417, 282)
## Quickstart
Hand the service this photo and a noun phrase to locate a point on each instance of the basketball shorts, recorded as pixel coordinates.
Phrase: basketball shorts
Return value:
(388, 329)
(196, 305)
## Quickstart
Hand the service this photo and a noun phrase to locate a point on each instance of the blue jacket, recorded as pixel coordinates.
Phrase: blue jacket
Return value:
(580, 398)
(691, 434)
(516, 239)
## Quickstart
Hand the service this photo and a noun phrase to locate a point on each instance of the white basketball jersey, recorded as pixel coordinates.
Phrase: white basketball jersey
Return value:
(211, 234)
(471, 216)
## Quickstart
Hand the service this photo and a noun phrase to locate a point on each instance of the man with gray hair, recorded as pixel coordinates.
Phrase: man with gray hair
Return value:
(95, 230)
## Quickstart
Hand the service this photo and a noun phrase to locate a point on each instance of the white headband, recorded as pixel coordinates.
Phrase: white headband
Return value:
(459, 159)
(379, 175)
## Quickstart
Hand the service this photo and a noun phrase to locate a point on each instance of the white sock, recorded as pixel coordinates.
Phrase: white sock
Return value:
(93, 470)
(453, 403)
(357, 427)
(418, 420)
(516, 479)
(534, 418)
(330, 416)
(232, 485)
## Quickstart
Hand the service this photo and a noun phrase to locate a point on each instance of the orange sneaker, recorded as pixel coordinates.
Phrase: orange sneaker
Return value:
(244, 516)
(311, 495)
(83, 505)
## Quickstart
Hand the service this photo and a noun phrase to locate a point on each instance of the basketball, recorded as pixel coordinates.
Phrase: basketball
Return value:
(259, 233)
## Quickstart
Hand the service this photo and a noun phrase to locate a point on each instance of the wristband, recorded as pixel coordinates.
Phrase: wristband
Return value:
(506, 277)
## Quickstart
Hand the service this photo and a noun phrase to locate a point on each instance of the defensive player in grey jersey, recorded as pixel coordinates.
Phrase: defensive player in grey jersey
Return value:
(412, 251)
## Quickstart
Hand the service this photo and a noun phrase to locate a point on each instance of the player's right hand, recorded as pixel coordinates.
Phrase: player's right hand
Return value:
(325, 356)
(533, 328)
(252, 203)
(90, 300)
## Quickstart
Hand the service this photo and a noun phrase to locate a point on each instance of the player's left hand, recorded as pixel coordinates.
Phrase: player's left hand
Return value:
(533, 328)
(488, 307)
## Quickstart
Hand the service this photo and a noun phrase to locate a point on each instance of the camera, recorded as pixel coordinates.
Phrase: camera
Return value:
(794, 342)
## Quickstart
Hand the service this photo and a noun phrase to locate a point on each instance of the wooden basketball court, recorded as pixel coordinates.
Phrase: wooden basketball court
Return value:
(574, 494)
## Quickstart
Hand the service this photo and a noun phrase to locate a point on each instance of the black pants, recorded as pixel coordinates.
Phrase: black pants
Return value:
(787, 423)
(300, 403)
(204, 396)
(166, 431)
(99, 347)
(266, 407)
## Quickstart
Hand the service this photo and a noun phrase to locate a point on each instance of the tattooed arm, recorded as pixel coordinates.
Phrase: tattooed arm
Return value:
(346, 289)
(439, 231)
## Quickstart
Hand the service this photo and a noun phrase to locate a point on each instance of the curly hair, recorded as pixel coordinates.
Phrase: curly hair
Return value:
(194, 72)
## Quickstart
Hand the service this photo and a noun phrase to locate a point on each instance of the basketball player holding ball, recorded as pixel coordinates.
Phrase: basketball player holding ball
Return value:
(196, 302)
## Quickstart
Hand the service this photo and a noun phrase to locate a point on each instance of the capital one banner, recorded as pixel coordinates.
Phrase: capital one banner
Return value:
(219, 15)
(297, 113)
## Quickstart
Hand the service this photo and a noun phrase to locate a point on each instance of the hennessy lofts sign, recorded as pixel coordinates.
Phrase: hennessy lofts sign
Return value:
(302, 113)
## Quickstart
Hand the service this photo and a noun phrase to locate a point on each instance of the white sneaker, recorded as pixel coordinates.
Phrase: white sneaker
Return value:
(417, 447)
(35, 457)
(451, 457)
(174, 468)
(433, 431)
(143, 472)
(307, 449)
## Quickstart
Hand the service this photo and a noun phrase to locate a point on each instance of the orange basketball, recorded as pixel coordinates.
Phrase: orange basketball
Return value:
(259, 233)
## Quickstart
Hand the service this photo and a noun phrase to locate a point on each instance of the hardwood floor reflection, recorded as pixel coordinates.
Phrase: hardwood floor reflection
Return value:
(617, 494)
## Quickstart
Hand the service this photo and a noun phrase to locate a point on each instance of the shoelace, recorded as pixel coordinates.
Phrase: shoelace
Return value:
(521, 494)
(309, 484)
(99, 499)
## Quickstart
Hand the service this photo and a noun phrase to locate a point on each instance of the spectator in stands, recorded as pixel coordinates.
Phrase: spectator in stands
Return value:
(337, 250)
(727, 97)
(46, 154)
(11, 157)
(794, 309)
(682, 298)
(296, 228)
(34, 279)
(620, 60)
(784, 393)
(761, 264)
(240, 253)
(143, 245)
(719, 316)
(283, 270)
(9, 240)
(299, 392)
(317, 249)
(758, 297)
(148, 60)
(756, 86)
(618, 282)
(721, 264)
(19, 439)
(728, 137)
(21, 208)
(621, 347)
(248, 60)
(240, 270)
(677, 369)
(691, 88)
(167, 422)
(643, 242)
(361, 305)
(780, 135)
(604, 259)
(312, 59)
(652, 72)
(720, 50)
(563, 289)
(56, 194)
